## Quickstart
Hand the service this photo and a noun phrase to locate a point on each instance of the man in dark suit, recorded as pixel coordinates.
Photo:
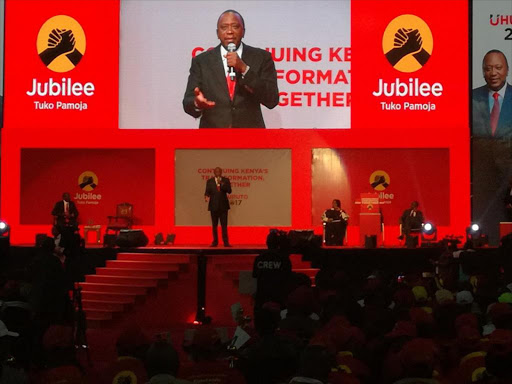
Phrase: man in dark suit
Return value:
(65, 212)
(222, 101)
(492, 103)
(217, 189)
(412, 219)
(65, 221)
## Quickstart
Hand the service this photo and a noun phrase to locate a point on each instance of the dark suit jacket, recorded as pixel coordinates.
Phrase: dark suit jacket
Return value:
(207, 73)
(411, 222)
(482, 114)
(218, 199)
(58, 211)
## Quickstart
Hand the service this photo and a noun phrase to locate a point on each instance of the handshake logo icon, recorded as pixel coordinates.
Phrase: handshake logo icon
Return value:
(407, 43)
(61, 43)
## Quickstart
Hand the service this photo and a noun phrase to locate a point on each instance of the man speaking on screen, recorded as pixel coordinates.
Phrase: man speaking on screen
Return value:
(227, 85)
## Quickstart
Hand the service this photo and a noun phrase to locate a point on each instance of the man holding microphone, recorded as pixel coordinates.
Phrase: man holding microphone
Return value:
(217, 189)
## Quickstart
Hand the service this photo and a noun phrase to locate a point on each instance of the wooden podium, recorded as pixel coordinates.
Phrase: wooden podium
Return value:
(370, 218)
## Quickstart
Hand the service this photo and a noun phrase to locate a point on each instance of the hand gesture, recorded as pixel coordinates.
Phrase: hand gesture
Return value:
(200, 101)
(236, 62)
(408, 40)
(61, 41)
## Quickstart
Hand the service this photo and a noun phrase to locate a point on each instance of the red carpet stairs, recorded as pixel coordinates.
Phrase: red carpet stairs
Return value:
(124, 282)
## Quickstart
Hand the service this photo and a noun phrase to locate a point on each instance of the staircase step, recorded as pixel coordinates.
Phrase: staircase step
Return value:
(92, 305)
(98, 315)
(112, 296)
(152, 273)
(161, 257)
(122, 280)
(161, 266)
(114, 288)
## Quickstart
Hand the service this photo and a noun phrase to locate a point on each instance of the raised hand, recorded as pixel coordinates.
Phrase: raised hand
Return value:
(202, 102)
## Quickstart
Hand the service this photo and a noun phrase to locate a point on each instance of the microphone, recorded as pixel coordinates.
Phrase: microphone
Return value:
(231, 70)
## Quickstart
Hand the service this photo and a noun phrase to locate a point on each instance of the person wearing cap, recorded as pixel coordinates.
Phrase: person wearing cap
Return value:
(162, 364)
(131, 347)
(419, 360)
(499, 356)
(314, 367)
(9, 374)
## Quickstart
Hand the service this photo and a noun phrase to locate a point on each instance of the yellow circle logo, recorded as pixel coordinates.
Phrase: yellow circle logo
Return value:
(379, 180)
(61, 43)
(407, 43)
(88, 181)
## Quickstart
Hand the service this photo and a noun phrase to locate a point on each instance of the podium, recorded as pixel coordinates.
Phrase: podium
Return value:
(370, 218)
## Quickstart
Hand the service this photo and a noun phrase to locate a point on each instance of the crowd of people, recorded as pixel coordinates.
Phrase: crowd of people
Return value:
(453, 326)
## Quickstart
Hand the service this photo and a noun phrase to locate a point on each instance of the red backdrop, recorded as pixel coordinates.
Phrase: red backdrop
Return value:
(446, 128)
(123, 175)
(414, 174)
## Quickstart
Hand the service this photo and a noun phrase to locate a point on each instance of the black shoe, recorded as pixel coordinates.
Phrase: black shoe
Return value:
(227, 245)
(213, 244)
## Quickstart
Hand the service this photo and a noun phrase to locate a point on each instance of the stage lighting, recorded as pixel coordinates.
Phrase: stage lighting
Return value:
(428, 228)
(473, 231)
(428, 233)
(4, 228)
(475, 236)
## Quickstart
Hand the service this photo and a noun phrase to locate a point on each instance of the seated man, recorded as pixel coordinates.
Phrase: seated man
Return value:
(411, 220)
(335, 223)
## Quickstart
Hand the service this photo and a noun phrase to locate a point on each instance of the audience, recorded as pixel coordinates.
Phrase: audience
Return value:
(384, 328)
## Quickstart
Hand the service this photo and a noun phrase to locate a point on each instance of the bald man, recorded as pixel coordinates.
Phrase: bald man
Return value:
(216, 195)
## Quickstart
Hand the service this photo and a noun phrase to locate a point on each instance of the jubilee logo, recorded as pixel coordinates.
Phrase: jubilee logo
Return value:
(408, 44)
(61, 43)
(380, 181)
(61, 46)
(87, 182)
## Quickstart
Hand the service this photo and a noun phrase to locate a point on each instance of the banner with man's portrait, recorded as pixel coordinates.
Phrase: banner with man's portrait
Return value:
(491, 115)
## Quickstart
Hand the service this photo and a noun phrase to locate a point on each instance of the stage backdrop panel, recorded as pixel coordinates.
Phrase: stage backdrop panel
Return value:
(400, 176)
(97, 179)
(260, 180)
(310, 42)
(491, 155)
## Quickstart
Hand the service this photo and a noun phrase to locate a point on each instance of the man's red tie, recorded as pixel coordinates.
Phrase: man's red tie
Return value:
(231, 86)
(495, 113)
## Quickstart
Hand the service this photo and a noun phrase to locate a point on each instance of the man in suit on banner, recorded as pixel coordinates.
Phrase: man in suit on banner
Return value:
(225, 98)
(492, 103)
(216, 195)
